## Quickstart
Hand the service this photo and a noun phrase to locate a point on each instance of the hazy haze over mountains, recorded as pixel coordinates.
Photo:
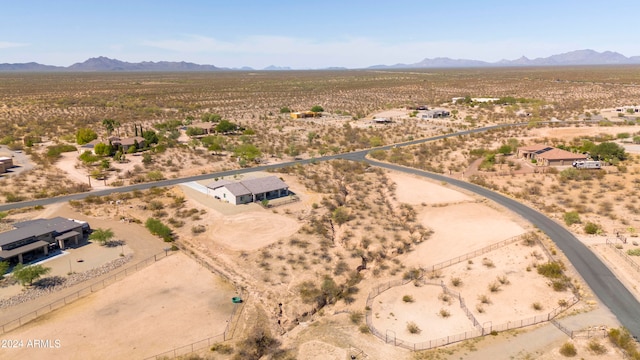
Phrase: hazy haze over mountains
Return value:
(99, 64)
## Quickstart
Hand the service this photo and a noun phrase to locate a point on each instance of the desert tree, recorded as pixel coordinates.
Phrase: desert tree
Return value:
(102, 236)
(27, 274)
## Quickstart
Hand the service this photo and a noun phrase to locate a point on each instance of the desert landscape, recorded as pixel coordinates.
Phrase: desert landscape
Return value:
(356, 261)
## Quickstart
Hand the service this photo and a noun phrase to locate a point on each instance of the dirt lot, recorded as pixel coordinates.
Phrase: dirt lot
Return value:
(137, 317)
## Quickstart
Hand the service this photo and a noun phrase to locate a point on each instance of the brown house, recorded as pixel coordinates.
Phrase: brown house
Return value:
(548, 155)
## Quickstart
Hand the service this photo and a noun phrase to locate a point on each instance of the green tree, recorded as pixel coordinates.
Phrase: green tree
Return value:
(102, 149)
(102, 236)
(4, 266)
(591, 228)
(88, 158)
(225, 126)
(505, 149)
(156, 227)
(285, 110)
(109, 125)
(317, 108)
(150, 137)
(608, 151)
(208, 117)
(27, 274)
(85, 135)
(194, 131)
(247, 152)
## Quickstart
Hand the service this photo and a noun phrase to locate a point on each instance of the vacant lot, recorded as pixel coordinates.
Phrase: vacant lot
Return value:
(169, 304)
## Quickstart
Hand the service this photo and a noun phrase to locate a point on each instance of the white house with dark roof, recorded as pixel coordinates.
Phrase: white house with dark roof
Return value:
(248, 191)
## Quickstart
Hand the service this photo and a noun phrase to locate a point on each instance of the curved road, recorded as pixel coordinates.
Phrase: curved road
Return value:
(595, 273)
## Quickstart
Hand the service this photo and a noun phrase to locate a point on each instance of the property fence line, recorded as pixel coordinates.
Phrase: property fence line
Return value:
(463, 306)
(390, 337)
(22, 320)
(472, 254)
(626, 257)
(232, 322)
(228, 333)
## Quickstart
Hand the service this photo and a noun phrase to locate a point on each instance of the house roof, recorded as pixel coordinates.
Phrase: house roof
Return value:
(130, 141)
(559, 154)
(534, 147)
(6, 254)
(37, 227)
(265, 184)
(218, 183)
(250, 186)
(91, 144)
(238, 189)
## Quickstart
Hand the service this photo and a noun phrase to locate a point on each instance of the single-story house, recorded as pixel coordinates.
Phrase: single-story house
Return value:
(90, 146)
(248, 191)
(305, 114)
(382, 120)
(548, 155)
(31, 238)
(433, 114)
(126, 143)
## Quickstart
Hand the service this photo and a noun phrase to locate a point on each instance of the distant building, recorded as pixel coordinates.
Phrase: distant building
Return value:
(33, 238)
(548, 155)
(248, 191)
(382, 120)
(434, 114)
(305, 114)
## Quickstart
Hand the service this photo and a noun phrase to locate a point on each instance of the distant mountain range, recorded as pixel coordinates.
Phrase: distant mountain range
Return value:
(104, 64)
(578, 57)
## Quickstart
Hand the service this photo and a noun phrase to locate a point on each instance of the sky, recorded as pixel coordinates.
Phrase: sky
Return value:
(310, 34)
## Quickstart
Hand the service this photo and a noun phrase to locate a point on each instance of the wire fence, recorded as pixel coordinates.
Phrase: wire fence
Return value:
(390, 337)
(228, 333)
(472, 254)
(230, 328)
(626, 257)
(21, 320)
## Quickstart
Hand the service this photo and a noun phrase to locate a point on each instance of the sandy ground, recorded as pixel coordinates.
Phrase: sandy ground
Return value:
(482, 226)
(169, 304)
(414, 191)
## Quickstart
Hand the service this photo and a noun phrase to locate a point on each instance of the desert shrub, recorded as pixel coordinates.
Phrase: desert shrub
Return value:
(156, 227)
(552, 270)
(456, 281)
(536, 306)
(622, 339)
(364, 329)
(484, 299)
(634, 252)
(592, 228)
(595, 347)
(356, 317)
(494, 286)
(444, 313)
(198, 229)
(413, 328)
(222, 349)
(568, 349)
(488, 263)
(411, 274)
(408, 299)
(503, 280)
(571, 217)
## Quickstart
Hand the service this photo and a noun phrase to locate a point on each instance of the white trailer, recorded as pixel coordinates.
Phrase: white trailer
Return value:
(587, 164)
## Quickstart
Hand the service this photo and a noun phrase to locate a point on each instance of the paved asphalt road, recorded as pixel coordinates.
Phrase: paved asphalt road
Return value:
(595, 273)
